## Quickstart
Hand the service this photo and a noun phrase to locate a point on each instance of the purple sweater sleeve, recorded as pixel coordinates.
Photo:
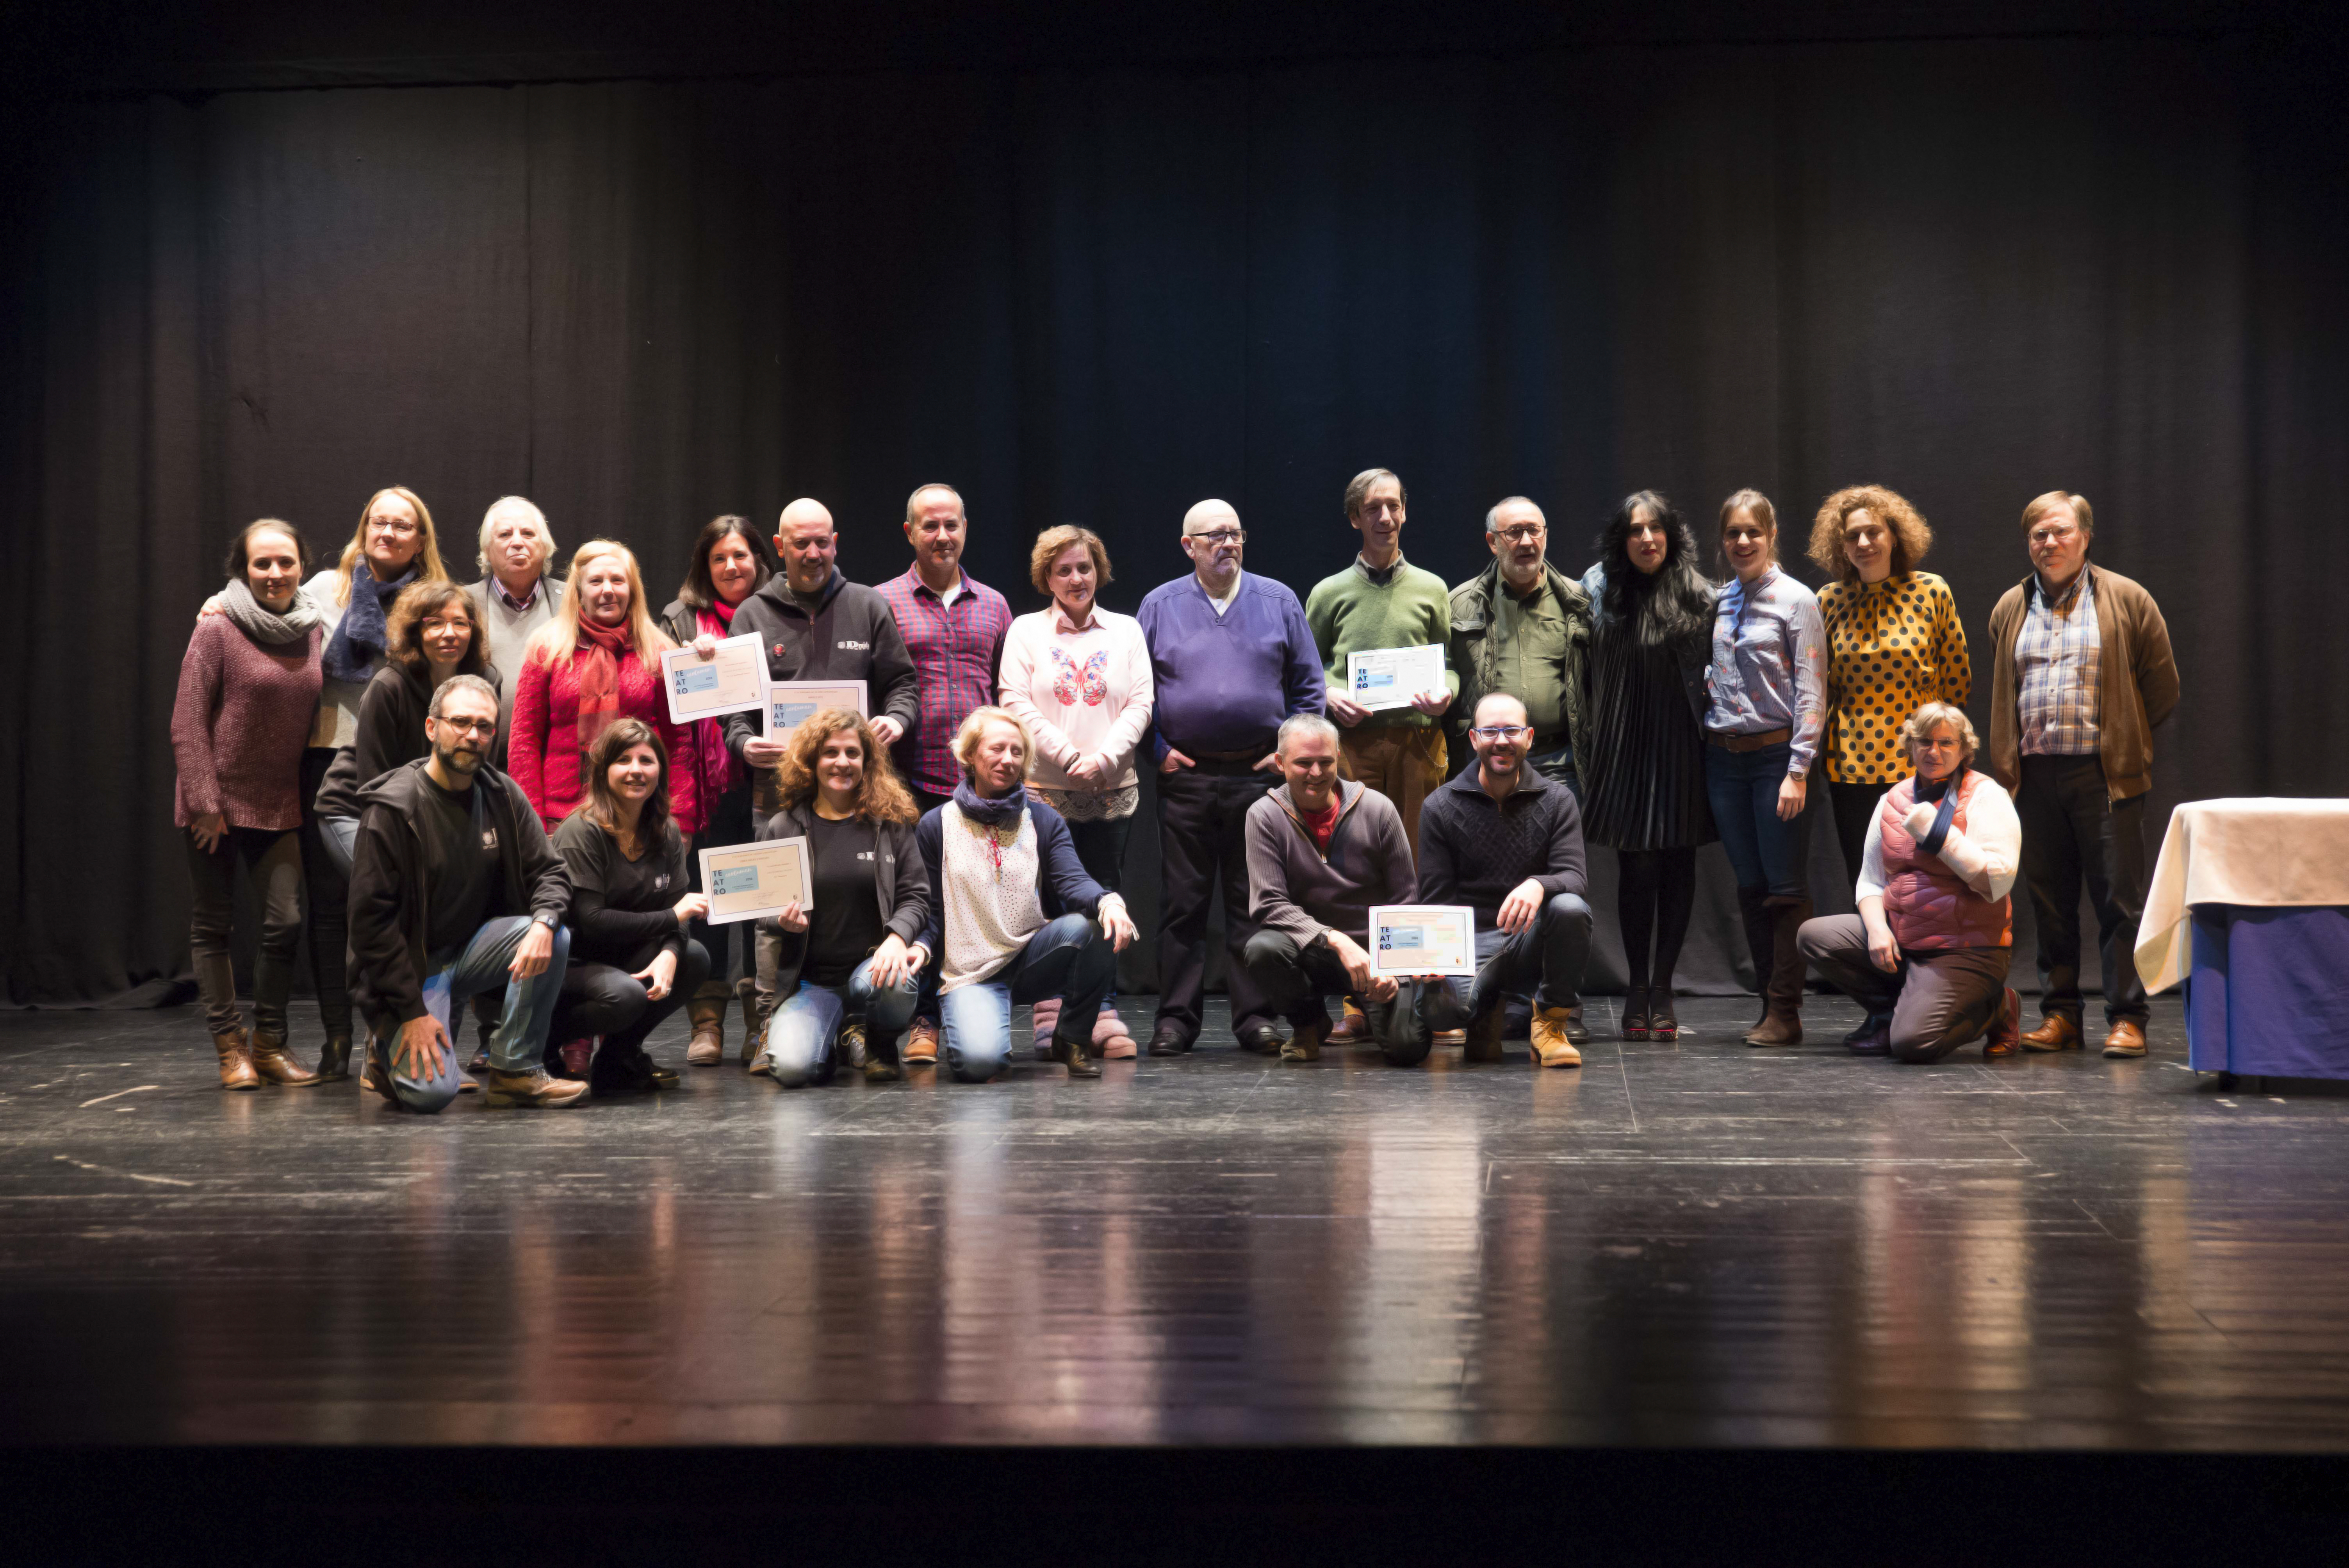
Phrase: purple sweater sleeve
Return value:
(191, 720)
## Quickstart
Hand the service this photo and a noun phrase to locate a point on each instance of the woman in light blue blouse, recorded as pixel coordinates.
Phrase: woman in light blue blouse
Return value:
(1766, 688)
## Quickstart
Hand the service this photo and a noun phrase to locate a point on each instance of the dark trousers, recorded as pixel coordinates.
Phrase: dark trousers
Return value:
(1547, 957)
(1296, 978)
(1764, 851)
(1202, 846)
(607, 999)
(1939, 998)
(1855, 807)
(327, 874)
(272, 859)
(1100, 849)
(728, 824)
(2070, 829)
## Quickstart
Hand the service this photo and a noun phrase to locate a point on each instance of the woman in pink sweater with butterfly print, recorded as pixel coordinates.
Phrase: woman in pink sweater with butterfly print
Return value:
(1078, 677)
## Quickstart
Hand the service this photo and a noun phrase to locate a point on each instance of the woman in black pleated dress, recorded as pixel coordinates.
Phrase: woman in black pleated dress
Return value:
(1643, 759)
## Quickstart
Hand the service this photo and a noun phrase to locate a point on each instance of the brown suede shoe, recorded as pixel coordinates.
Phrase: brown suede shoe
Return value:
(708, 1047)
(1551, 1047)
(2128, 1039)
(2005, 1037)
(532, 1090)
(2057, 1034)
(235, 1060)
(922, 1042)
(273, 1066)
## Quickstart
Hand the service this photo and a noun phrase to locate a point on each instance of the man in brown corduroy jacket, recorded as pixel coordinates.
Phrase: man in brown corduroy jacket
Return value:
(2083, 673)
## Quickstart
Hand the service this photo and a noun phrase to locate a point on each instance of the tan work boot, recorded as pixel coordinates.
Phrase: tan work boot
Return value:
(1551, 1047)
(922, 1042)
(708, 1015)
(271, 1064)
(1305, 1044)
(535, 1089)
(235, 1060)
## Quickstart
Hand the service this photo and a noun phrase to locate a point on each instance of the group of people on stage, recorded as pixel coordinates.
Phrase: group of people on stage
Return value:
(478, 791)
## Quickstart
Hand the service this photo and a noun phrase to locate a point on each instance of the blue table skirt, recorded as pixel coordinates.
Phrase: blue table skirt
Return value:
(2268, 995)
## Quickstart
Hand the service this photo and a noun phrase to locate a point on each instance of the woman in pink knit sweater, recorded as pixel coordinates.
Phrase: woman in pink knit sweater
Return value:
(598, 662)
(248, 687)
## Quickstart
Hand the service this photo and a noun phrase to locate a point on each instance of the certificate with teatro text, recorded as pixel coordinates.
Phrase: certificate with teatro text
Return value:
(788, 702)
(753, 881)
(732, 680)
(1422, 939)
(1381, 678)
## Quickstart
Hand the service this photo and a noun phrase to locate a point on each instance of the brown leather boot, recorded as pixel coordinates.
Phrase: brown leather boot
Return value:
(2005, 1037)
(235, 1060)
(755, 1009)
(1481, 1041)
(1782, 1022)
(708, 1015)
(1354, 1028)
(271, 1064)
(2057, 1034)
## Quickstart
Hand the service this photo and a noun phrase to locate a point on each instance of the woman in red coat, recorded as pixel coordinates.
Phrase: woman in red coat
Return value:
(598, 662)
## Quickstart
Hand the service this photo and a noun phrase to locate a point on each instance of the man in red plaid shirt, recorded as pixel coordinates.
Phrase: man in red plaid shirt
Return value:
(954, 627)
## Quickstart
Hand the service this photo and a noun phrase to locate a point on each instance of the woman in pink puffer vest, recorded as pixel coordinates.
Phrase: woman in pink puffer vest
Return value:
(1927, 953)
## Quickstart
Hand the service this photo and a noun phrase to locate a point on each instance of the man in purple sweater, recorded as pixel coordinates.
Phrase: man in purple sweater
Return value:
(1232, 657)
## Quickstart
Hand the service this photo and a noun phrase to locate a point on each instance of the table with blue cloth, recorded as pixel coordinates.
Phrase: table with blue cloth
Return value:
(2250, 906)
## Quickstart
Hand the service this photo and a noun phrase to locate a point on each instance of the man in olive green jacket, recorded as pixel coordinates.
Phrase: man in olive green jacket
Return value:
(2083, 673)
(1522, 626)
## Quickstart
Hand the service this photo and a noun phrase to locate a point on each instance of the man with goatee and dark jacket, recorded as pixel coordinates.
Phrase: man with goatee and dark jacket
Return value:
(455, 890)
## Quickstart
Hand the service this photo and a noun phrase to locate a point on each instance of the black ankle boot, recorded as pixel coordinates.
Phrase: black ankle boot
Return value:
(335, 1059)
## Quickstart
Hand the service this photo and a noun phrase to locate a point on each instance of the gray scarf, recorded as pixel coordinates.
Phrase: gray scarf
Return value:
(246, 613)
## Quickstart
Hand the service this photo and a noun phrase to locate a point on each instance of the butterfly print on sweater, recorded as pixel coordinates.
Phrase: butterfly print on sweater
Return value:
(1070, 680)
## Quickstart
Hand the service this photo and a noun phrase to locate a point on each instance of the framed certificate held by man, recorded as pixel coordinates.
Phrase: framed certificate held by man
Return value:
(753, 881)
(732, 680)
(1409, 938)
(788, 702)
(1381, 678)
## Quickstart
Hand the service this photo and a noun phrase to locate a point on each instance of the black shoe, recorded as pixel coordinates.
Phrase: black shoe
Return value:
(1872, 1039)
(1577, 1032)
(1260, 1040)
(1070, 1053)
(335, 1059)
(1168, 1040)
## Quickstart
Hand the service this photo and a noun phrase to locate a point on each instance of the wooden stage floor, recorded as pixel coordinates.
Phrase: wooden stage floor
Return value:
(1689, 1243)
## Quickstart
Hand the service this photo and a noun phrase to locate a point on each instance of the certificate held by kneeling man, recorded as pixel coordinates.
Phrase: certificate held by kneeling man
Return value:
(1412, 939)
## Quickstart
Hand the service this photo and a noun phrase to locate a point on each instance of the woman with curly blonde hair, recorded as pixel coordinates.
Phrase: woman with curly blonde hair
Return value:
(1894, 643)
(849, 964)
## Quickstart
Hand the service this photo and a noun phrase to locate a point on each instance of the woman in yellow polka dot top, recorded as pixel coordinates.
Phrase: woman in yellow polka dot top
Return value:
(1894, 643)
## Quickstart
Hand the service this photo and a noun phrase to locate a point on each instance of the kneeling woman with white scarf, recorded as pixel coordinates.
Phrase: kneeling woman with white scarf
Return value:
(1014, 916)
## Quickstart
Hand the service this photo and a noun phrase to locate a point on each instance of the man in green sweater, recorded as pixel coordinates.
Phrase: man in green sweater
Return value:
(1382, 601)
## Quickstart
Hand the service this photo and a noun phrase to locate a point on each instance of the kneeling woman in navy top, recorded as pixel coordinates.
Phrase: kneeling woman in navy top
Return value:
(848, 965)
(632, 963)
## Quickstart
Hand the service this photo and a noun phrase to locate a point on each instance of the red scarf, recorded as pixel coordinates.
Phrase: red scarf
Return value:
(722, 772)
(1322, 823)
(601, 649)
(724, 617)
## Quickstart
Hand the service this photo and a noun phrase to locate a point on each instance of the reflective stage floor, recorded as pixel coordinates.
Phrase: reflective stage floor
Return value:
(1688, 1243)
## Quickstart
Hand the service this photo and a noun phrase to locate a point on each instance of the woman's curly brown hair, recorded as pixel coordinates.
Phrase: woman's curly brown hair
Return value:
(882, 797)
(403, 628)
(1910, 535)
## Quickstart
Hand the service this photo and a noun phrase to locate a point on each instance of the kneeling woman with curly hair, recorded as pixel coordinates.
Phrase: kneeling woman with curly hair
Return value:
(848, 965)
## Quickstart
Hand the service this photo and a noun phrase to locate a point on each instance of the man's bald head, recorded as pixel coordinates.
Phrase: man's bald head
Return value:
(1207, 516)
(806, 540)
(1211, 538)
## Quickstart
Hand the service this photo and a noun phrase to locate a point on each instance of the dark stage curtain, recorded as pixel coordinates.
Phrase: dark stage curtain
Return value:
(1972, 271)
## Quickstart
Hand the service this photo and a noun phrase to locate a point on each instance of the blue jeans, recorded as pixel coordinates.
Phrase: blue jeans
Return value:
(1765, 853)
(801, 1034)
(1069, 958)
(517, 1045)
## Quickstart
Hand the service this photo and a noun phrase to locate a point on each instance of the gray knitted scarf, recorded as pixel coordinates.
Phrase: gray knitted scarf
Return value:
(247, 615)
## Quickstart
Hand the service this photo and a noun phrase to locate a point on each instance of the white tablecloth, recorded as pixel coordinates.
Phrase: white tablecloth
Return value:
(2262, 851)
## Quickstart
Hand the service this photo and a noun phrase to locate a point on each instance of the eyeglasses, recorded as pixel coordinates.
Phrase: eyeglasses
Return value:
(1220, 538)
(1524, 533)
(1500, 732)
(2059, 535)
(469, 726)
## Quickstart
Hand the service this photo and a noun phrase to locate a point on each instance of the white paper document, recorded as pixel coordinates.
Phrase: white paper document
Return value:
(732, 680)
(788, 702)
(753, 881)
(1381, 678)
(1422, 939)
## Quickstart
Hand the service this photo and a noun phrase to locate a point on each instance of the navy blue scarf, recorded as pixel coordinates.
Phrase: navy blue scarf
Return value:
(997, 813)
(356, 650)
(1945, 791)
